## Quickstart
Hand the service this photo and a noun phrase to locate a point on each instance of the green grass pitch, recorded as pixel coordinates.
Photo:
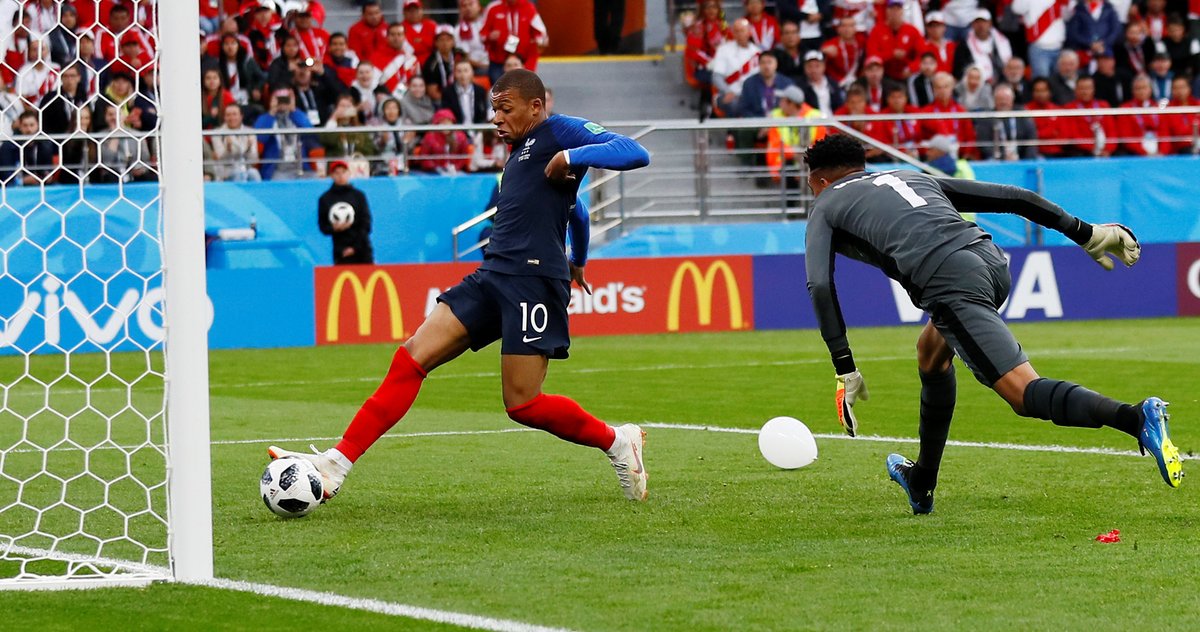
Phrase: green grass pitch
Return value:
(521, 526)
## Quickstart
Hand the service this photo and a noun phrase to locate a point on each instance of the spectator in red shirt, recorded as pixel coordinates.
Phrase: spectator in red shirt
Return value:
(314, 40)
(264, 36)
(898, 44)
(764, 29)
(1142, 134)
(447, 152)
(91, 12)
(133, 60)
(856, 105)
(703, 38)
(513, 27)
(109, 34)
(341, 59)
(944, 103)
(903, 134)
(419, 30)
(1042, 100)
(936, 42)
(396, 62)
(213, 43)
(368, 35)
(1092, 135)
(243, 78)
(873, 81)
(844, 53)
(1181, 128)
(213, 99)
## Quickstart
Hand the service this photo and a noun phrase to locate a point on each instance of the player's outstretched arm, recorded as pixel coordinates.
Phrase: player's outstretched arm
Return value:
(1099, 240)
(586, 144)
(818, 257)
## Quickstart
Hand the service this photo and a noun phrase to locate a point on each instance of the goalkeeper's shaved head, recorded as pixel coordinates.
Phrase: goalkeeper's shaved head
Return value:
(835, 152)
(832, 158)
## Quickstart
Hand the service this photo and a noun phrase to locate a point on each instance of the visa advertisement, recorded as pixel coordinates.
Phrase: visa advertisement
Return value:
(297, 307)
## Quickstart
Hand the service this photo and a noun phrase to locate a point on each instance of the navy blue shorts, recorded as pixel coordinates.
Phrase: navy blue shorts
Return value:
(527, 313)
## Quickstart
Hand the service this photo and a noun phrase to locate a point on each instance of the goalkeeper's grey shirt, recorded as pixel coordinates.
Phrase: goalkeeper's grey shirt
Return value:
(906, 223)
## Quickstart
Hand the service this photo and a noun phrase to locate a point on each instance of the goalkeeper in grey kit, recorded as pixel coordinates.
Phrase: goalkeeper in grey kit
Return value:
(908, 225)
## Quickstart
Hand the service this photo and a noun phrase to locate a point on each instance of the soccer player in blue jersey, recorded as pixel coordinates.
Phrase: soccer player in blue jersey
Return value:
(908, 225)
(519, 295)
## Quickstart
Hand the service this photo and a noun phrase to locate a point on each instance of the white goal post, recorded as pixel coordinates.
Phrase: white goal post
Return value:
(104, 409)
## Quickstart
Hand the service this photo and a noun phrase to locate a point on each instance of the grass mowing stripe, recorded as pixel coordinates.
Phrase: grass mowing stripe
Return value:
(381, 607)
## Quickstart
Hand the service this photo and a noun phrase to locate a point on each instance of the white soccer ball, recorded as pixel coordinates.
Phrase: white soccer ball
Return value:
(291, 487)
(341, 213)
(787, 443)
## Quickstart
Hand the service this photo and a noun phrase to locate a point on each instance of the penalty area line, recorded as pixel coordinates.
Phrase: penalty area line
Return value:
(377, 606)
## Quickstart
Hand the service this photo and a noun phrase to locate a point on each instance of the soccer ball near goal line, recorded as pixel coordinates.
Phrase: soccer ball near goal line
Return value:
(291, 487)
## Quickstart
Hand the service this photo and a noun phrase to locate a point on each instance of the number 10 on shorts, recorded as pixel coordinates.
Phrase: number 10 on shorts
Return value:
(537, 316)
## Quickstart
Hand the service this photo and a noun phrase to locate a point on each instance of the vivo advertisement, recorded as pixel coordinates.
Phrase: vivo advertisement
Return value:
(301, 306)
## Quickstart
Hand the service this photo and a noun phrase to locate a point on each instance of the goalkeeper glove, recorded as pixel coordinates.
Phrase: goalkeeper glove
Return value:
(850, 389)
(1116, 240)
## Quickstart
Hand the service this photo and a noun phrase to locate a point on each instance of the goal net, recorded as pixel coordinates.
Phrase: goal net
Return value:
(86, 457)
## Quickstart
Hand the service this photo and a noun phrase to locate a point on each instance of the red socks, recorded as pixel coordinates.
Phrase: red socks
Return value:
(565, 419)
(385, 407)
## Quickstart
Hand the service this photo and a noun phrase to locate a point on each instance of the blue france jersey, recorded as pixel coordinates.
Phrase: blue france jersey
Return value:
(531, 212)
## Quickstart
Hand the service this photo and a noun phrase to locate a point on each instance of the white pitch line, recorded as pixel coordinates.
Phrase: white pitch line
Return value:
(460, 619)
(124, 570)
(1019, 447)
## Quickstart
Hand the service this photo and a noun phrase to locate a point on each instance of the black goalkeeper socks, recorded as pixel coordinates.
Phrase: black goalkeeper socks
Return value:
(939, 392)
(1068, 404)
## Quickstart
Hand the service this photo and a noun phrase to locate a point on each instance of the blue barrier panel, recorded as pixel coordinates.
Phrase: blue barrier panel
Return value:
(122, 311)
(262, 308)
(412, 217)
(1048, 284)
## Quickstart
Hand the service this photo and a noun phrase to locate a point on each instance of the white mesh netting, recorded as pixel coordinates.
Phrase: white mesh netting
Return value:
(83, 466)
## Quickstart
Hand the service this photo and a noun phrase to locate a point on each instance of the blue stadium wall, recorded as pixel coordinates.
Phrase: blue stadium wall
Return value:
(104, 288)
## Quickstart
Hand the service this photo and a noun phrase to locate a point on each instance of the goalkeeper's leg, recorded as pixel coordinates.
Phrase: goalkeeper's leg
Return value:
(1069, 404)
(939, 391)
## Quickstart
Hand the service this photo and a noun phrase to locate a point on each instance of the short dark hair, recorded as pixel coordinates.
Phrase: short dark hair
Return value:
(834, 152)
(524, 83)
(894, 87)
(29, 114)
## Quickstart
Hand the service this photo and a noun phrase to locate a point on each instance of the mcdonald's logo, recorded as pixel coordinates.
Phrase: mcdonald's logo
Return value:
(364, 298)
(703, 284)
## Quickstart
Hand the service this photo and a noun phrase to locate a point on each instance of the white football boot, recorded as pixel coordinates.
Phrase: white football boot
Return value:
(626, 457)
(333, 468)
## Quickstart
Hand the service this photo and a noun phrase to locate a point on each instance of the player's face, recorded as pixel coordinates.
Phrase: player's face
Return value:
(515, 116)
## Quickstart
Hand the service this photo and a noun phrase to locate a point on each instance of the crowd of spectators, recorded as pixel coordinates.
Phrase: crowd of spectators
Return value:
(81, 78)
(956, 56)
